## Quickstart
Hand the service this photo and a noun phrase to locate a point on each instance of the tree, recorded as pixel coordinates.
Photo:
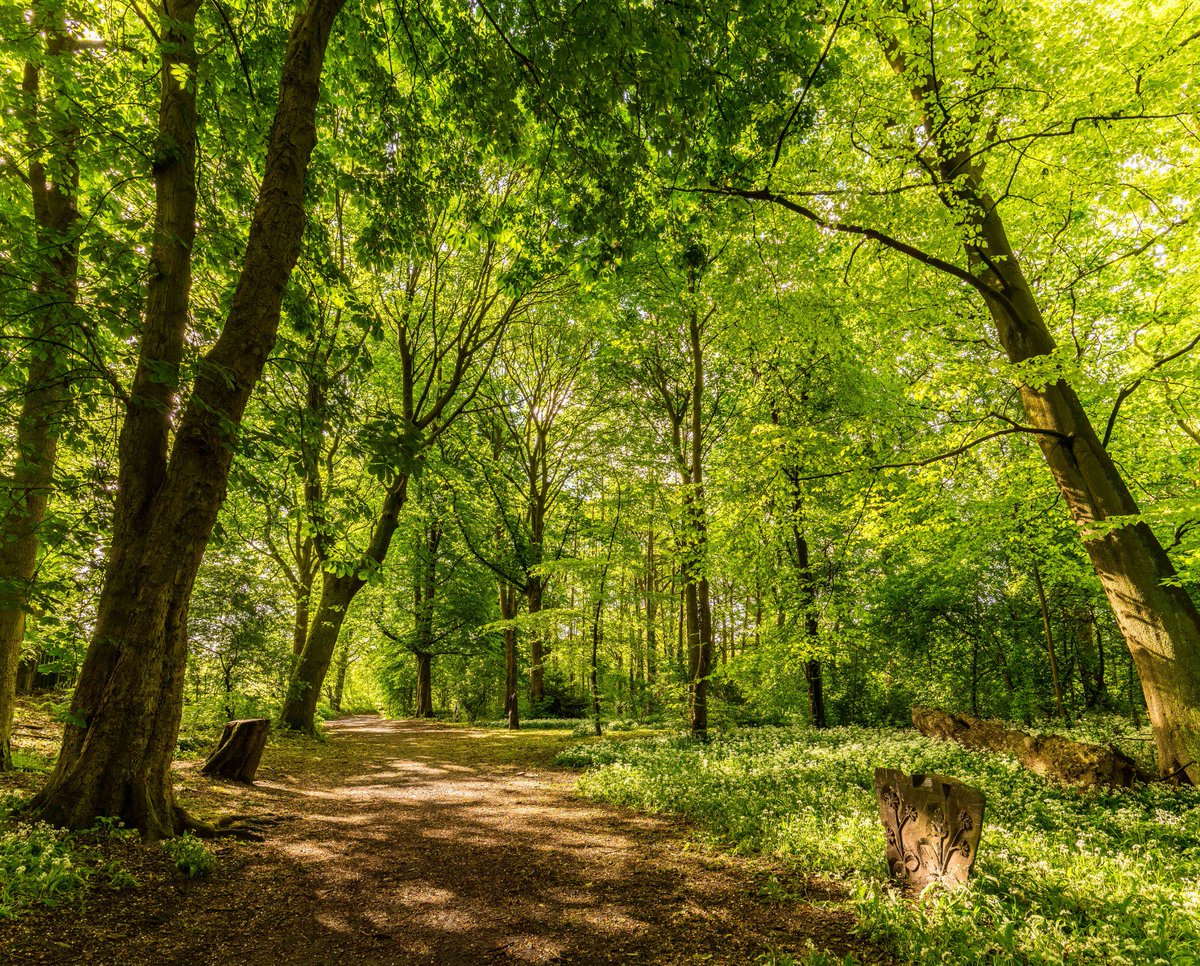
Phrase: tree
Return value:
(1158, 619)
(53, 183)
(448, 294)
(119, 740)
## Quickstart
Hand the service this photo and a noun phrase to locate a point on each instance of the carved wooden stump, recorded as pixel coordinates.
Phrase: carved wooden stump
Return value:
(932, 824)
(240, 749)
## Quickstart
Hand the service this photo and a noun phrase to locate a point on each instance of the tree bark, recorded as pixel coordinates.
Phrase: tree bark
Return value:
(508, 612)
(120, 737)
(339, 679)
(1158, 619)
(338, 590)
(537, 651)
(239, 751)
(1060, 710)
(424, 684)
(699, 611)
(808, 601)
(24, 495)
(1051, 756)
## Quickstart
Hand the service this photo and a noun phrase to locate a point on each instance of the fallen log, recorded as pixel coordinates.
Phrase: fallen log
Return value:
(1051, 756)
(239, 751)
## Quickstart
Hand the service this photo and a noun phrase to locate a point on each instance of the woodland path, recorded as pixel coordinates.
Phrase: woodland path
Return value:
(417, 843)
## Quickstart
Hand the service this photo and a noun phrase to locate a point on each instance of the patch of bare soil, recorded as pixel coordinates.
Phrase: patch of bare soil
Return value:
(417, 843)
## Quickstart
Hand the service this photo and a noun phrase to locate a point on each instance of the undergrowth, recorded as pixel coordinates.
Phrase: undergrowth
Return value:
(43, 865)
(1063, 876)
(190, 856)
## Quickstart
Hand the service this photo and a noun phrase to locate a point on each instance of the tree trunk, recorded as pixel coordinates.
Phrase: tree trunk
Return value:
(337, 593)
(304, 688)
(1051, 756)
(508, 612)
(1158, 619)
(537, 653)
(699, 610)
(120, 737)
(808, 600)
(651, 609)
(424, 684)
(339, 680)
(1060, 710)
(25, 494)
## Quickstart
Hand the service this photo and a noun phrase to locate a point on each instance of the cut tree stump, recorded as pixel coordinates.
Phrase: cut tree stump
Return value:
(932, 826)
(1051, 756)
(240, 749)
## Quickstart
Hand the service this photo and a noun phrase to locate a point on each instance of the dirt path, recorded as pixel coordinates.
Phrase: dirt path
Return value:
(413, 843)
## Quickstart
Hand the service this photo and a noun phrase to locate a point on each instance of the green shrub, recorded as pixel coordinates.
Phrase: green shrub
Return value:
(37, 865)
(190, 855)
(1064, 876)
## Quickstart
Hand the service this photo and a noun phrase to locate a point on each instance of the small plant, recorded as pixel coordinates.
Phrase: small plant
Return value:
(190, 856)
(37, 865)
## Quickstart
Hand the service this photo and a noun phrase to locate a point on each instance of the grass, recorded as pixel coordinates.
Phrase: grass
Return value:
(1063, 876)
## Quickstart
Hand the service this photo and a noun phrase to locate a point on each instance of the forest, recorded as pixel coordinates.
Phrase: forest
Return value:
(591, 429)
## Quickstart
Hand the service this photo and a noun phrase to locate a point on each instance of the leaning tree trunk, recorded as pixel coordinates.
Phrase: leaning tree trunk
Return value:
(1158, 619)
(24, 494)
(119, 739)
(337, 593)
(308, 677)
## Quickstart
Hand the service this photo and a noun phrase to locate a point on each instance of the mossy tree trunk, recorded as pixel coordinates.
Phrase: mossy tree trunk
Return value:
(120, 737)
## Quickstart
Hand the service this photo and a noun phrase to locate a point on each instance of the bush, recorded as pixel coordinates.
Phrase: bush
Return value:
(190, 855)
(37, 865)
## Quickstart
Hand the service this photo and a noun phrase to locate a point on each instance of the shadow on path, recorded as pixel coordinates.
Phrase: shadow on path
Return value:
(414, 843)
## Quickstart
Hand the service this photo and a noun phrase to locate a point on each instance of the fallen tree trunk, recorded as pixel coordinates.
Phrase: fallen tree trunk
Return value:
(1051, 756)
(239, 751)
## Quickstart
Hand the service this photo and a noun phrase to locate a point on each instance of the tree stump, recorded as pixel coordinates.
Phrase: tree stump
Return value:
(239, 751)
(932, 826)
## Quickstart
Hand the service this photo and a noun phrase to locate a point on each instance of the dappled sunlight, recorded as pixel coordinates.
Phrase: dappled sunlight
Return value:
(443, 859)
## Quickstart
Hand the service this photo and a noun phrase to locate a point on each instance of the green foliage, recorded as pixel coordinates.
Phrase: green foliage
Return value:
(38, 865)
(43, 865)
(190, 856)
(1062, 875)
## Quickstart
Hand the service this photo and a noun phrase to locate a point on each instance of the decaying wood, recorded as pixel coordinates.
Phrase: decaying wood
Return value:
(1051, 756)
(932, 825)
(240, 749)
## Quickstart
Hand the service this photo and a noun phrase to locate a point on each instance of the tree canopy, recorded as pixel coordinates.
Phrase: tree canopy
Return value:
(723, 362)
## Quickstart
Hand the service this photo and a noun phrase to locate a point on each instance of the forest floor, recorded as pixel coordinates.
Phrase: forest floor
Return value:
(409, 843)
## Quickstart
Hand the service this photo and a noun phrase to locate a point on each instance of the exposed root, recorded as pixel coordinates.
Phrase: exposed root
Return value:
(243, 827)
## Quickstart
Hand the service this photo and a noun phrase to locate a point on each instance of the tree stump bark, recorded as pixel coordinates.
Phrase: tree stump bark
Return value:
(1051, 756)
(932, 826)
(239, 751)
